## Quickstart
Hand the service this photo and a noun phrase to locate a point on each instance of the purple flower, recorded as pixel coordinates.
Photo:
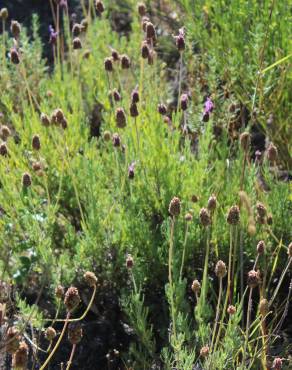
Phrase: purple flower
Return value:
(63, 4)
(131, 171)
(53, 35)
(209, 106)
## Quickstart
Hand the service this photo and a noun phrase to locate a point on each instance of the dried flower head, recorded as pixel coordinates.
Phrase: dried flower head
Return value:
(45, 120)
(116, 95)
(75, 332)
(196, 286)
(129, 262)
(90, 278)
(261, 247)
(76, 29)
(150, 31)
(108, 64)
(174, 207)
(12, 340)
(220, 269)
(194, 198)
(72, 298)
(277, 363)
(272, 153)
(184, 99)
(50, 333)
(4, 14)
(145, 50)
(290, 250)
(270, 219)
(125, 62)
(5, 132)
(233, 216)
(59, 292)
(116, 140)
(14, 56)
(205, 218)
(188, 217)
(264, 307)
(141, 9)
(77, 43)
(107, 136)
(15, 29)
(204, 352)
(3, 149)
(135, 98)
(245, 140)
(212, 203)
(162, 109)
(121, 120)
(20, 357)
(253, 278)
(261, 209)
(231, 310)
(99, 6)
(134, 110)
(26, 180)
(115, 55)
(36, 143)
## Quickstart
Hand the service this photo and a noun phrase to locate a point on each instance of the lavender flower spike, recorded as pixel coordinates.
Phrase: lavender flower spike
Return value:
(209, 106)
(53, 35)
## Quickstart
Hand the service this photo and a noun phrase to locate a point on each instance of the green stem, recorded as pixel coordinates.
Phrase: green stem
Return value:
(247, 327)
(71, 357)
(170, 259)
(217, 312)
(184, 252)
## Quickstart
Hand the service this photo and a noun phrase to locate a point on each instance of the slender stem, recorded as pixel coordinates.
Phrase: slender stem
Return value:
(180, 78)
(170, 259)
(71, 357)
(57, 343)
(247, 327)
(280, 281)
(205, 273)
(184, 252)
(217, 311)
(4, 42)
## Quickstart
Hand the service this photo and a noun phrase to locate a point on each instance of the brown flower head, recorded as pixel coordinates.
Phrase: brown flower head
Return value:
(14, 56)
(196, 286)
(45, 120)
(129, 262)
(188, 217)
(125, 62)
(5, 132)
(145, 51)
(261, 210)
(204, 352)
(174, 207)
(121, 118)
(59, 292)
(135, 98)
(99, 6)
(180, 42)
(108, 64)
(50, 333)
(15, 29)
(134, 110)
(141, 9)
(72, 298)
(220, 269)
(253, 278)
(184, 100)
(20, 357)
(3, 149)
(261, 247)
(107, 136)
(90, 278)
(26, 180)
(36, 143)
(75, 332)
(12, 340)
(212, 203)
(272, 153)
(205, 218)
(150, 31)
(116, 140)
(77, 43)
(231, 310)
(116, 95)
(115, 55)
(77, 29)
(233, 216)
(162, 109)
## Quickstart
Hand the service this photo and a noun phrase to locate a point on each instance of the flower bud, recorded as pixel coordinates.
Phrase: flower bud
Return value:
(106, 136)
(184, 99)
(233, 216)
(129, 262)
(77, 29)
(50, 333)
(212, 203)
(4, 13)
(15, 29)
(116, 95)
(134, 110)
(116, 140)
(77, 43)
(99, 7)
(26, 180)
(121, 118)
(162, 109)
(135, 96)
(125, 62)
(5, 132)
(108, 64)
(205, 218)
(115, 55)
(90, 278)
(150, 31)
(141, 9)
(72, 298)
(180, 43)
(261, 210)
(272, 153)
(45, 120)
(204, 352)
(75, 332)
(220, 269)
(277, 363)
(253, 278)
(188, 217)
(59, 292)
(145, 51)
(174, 207)
(3, 149)
(36, 143)
(261, 247)
(14, 56)
(231, 310)
(196, 286)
